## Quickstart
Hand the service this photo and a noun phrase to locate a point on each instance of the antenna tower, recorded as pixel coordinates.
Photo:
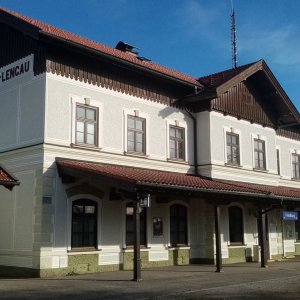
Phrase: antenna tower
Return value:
(233, 38)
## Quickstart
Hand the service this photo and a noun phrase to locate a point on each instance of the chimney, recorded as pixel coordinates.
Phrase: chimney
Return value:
(127, 48)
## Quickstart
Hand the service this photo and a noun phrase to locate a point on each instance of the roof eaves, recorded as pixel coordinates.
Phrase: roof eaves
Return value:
(123, 61)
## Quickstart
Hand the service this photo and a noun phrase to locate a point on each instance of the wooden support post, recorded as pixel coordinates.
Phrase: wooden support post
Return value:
(137, 245)
(218, 239)
(261, 222)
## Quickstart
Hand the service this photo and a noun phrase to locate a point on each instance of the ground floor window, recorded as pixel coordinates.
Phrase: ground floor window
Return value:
(236, 226)
(84, 224)
(130, 225)
(178, 225)
(297, 228)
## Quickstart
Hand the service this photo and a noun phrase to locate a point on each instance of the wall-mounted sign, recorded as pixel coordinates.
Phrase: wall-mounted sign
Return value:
(290, 215)
(16, 69)
(144, 199)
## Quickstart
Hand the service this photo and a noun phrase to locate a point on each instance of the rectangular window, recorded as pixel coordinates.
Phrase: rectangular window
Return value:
(259, 154)
(278, 161)
(233, 148)
(136, 131)
(297, 227)
(296, 165)
(177, 143)
(86, 125)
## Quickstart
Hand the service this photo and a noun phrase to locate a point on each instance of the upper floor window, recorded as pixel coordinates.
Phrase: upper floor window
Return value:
(236, 226)
(233, 148)
(296, 165)
(136, 132)
(259, 154)
(84, 224)
(278, 161)
(86, 125)
(177, 143)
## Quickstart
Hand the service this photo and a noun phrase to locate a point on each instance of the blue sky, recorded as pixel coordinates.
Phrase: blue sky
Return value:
(191, 36)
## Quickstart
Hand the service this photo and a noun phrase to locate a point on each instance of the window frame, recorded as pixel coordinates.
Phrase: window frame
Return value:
(177, 141)
(296, 166)
(85, 216)
(86, 122)
(259, 151)
(232, 226)
(135, 131)
(231, 145)
(85, 101)
(178, 219)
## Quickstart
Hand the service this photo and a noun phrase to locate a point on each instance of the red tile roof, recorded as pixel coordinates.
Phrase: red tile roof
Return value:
(146, 177)
(217, 79)
(71, 37)
(7, 179)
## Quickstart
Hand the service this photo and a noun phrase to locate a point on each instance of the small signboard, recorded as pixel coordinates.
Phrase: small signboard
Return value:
(144, 200)
(290, 215)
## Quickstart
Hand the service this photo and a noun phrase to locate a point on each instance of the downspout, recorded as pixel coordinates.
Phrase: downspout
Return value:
(195, 141)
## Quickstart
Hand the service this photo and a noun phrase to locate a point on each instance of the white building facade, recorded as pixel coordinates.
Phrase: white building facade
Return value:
(88, 128)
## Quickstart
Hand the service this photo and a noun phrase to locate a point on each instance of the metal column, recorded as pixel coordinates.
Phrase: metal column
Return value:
(218, 239)
(137, 243)
(261, 222)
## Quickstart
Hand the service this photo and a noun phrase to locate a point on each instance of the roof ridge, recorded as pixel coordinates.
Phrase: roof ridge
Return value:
(60, 33)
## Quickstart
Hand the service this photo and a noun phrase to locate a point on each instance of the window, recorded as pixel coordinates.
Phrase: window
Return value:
(278, 161)
(84, 224)
(178, 225)
(130, 225)
(236, 226)
(297, 227)
(86, 125)
(233, 148)
(259, 154)
(177, 143)
(296, 165)
(136, 134)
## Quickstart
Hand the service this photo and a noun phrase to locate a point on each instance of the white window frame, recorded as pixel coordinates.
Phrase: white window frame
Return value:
(239, 133)
(262, 138)
(180, 124)
(87, 101)
(136, 113)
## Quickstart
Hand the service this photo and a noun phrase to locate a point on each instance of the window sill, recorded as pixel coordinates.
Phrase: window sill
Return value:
(136, 154)
(85, 146)
(261, 170)
(131, 248)
(295, 178)
(179, 247)
(232, 165)
(178, 161)
(83, 250)
(237, 245)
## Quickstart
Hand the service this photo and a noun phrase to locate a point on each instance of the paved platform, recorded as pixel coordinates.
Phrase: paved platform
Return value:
(281, 280)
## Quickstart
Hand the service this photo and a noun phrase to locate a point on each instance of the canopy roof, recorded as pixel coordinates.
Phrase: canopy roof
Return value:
(134, 179)
(7, 179)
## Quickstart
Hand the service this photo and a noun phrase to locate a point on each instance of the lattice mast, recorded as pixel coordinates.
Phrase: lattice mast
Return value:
(233, 38)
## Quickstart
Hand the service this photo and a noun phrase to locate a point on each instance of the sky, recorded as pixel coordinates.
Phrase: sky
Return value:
(190, 36)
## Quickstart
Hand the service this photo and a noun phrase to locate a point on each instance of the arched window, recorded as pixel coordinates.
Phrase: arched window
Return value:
(178, 225)
(130, 225)
(84, 224)
(236, 226)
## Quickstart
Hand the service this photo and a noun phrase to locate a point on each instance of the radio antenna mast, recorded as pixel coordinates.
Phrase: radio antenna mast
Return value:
(233, 37)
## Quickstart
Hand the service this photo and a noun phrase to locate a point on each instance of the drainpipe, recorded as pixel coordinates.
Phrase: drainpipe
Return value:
(195, 141)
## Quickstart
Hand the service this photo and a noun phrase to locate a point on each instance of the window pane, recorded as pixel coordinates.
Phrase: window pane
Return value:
(139, 147)
(130, 122)
(90, 128)
(179, 133)
(80, 112)
(90, 209)
(130, 146)
(80, 126)
(91, 114)
(172, 131)
(139, 137)
(79, 137)
(139, 124)
(77, 209)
